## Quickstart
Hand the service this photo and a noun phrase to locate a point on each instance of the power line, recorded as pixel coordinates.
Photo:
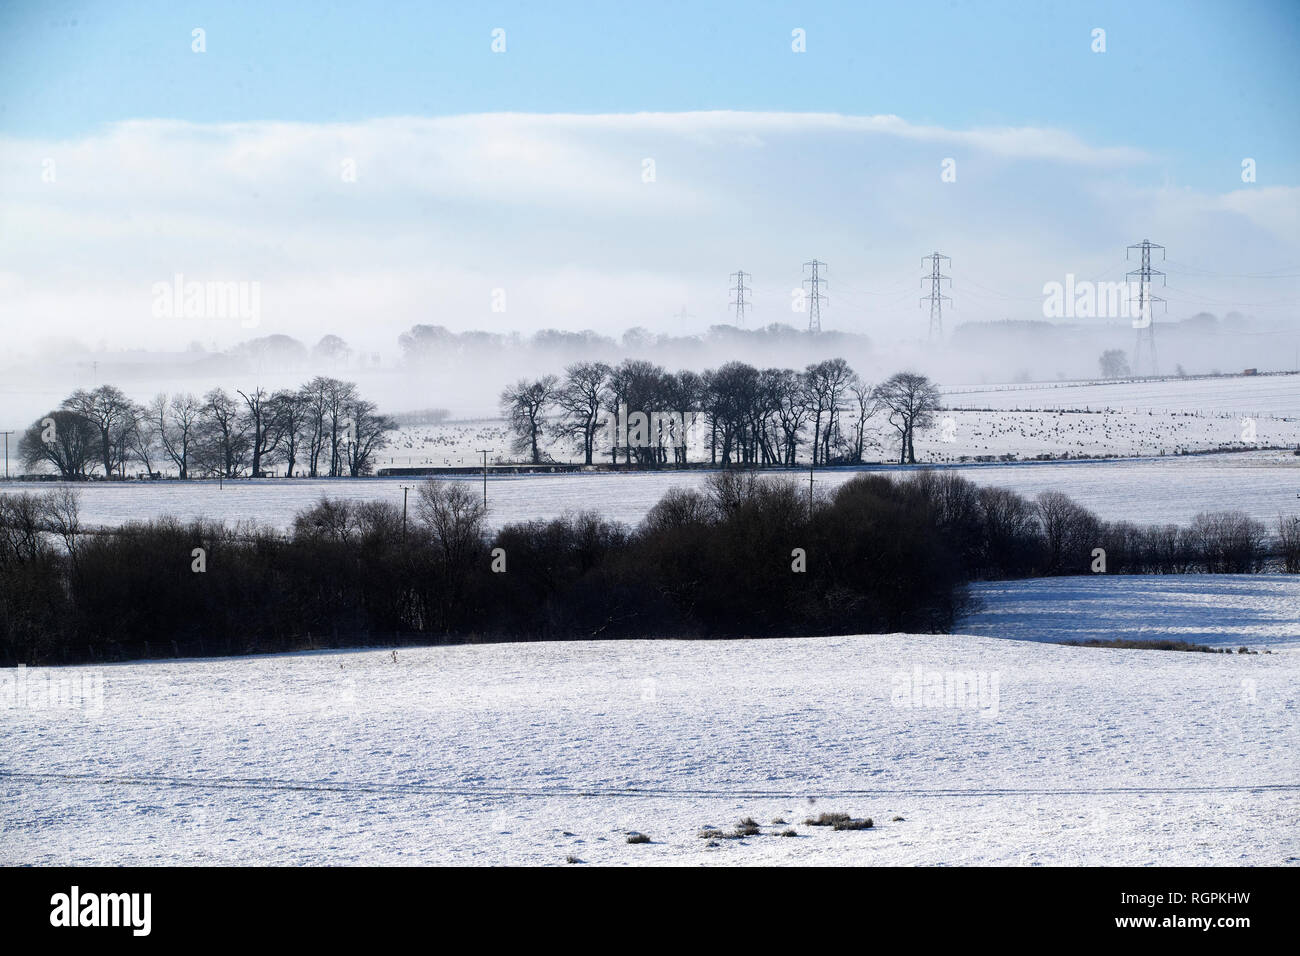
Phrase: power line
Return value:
(815, 297)
(1234, 303)
(1191, 270)
(935, 297)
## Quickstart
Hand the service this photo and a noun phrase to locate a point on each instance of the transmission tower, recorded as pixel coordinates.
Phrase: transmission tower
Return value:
(739, 292)
(815, 297)
(936, 298)
(1145, 324)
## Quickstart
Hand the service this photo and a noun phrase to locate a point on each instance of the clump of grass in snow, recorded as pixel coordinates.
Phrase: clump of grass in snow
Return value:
(571, 859)
(853, 824)
(788, 833)
(778, 822)
(828, 820)
(710, 833)
(637, 838)
(747, 827)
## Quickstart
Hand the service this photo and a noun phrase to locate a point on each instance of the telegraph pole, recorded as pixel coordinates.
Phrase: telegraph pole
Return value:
(815, 297)
(405, 490)
(6, 434)
(484, 452)
(1145, 322)
(935, 297)
(739, 292)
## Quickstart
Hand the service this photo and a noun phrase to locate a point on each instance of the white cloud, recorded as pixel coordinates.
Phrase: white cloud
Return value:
(553, 208)
(1275, 208)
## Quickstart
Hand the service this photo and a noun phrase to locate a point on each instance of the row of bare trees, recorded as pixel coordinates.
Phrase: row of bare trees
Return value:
(324, 428)
(752, 417)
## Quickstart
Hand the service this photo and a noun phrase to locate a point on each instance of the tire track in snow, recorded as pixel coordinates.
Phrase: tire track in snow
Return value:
(330, 786)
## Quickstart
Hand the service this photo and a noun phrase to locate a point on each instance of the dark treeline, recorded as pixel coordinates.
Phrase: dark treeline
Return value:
(433, 345)
(323, 428)
(750, 417)
(747, 557)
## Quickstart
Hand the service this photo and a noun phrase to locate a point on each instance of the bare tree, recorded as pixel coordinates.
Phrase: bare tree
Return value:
(685, 394)
(291, 411)
(315, 398)
(223, 433)
(62, 512)
(1288, 534)
(868, 404)
(326, 425)
(176, 424)
(826, 382)
(792, 412)
(63, 439)
(368, 433)
(912, 400)
(524, 405)
(1070, 532)
(111, 414)
(338, 395)
(262, 424)
(142, 439)
(1229, 542)
(581, 398)
(730, 394)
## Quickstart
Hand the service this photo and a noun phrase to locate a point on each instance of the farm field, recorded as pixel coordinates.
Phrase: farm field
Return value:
(1145, 491)
(532, 753)
(1032, 423)
(1259, 395)
(1217, 610)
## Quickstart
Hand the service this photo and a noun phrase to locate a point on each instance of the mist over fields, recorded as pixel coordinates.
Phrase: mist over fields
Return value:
(464, 372)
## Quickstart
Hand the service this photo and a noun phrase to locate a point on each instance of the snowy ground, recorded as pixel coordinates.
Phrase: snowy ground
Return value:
(956, 435)
(530, 753)
(1101, 418)
(1145, 491)
(1219, 610)
(1254, 395)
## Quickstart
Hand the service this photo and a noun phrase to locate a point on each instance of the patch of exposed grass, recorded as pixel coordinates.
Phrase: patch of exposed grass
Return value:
(853, 824)
(637, 838)
(828, 820)
(788, 833)
(709, 833)
(1163, 644)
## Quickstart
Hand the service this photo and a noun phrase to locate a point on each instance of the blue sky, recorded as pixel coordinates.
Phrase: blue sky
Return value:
(1199, 84)
(126, 158)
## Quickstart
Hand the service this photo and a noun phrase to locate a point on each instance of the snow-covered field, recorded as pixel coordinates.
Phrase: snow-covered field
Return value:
(1145, 491)
(956, 434)
(1218, 610)
(1241, 395)
(992, 746)
(962, 435)
(1105, 418)
(531, 753)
